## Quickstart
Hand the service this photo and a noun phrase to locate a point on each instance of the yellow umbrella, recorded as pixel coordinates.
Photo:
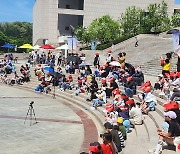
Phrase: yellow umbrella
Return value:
(26, 46)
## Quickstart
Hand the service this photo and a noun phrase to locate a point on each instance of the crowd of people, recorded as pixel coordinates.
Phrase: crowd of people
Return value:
(112, 86)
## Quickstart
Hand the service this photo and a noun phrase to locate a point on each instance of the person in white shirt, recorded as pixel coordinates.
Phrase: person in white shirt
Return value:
(135, 113)
(109, 57)
(176, 82)
(101, 98)
(149, 101)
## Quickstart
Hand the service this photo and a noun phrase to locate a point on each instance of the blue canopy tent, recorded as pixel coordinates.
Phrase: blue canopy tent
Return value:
(8, 46)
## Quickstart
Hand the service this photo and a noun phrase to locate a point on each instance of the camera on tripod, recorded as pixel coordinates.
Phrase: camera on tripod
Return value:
(31, 113)
(31, 103)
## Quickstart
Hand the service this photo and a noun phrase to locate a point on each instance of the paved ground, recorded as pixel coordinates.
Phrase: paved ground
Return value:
(60, 128)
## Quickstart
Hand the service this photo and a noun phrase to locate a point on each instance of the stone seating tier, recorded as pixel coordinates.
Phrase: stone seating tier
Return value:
(146, 131)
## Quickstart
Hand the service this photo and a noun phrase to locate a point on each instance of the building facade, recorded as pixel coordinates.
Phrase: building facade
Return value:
(52, 18)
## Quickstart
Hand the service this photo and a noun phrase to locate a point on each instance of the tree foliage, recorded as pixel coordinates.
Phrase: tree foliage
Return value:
(104, 29)
(83, 34)
(16, 33)
(132, 22)
(175, 20)
(158, 19)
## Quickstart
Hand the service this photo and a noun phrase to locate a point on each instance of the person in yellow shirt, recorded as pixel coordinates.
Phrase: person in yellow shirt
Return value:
(121, 59)
(166, 66)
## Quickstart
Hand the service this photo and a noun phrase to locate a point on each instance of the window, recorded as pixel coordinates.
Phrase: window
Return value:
(67, 28)
(67, 6)
(176, 10)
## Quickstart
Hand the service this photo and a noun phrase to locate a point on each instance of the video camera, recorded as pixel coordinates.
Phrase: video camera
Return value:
(101, 135)
(31, 103)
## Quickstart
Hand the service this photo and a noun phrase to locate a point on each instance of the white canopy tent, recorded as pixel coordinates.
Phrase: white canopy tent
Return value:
(63, 47)
(36, 47)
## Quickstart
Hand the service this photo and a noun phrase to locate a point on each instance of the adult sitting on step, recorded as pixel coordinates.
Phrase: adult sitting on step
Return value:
(148, 101)
(101, 98)
(172, 136)
(113, 85)
(115, 136)
(130, 87)
(138, 76)
(173, 106)
(135, 113)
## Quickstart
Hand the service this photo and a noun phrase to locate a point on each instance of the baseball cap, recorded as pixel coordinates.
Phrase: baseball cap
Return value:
(171, 105)
(178, 147)
(130, 102)
(116, 91)
(147, 89)
(160, 75)
(129, 78)
(99, 91)
(170, 114)
(123, 96)
(120, 120)
(109, 51)
(95, 147)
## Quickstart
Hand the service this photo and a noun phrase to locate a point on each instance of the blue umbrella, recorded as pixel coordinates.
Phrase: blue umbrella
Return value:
(8, 45)
(49, 69)
(172, 31)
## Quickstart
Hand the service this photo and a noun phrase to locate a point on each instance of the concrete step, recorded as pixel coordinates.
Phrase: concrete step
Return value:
(157, 118)
(135, 139)
(151, 129)
(159, 109)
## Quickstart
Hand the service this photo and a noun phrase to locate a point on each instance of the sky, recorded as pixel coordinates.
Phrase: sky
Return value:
(177, 1)
(16, 10)
(20, 10)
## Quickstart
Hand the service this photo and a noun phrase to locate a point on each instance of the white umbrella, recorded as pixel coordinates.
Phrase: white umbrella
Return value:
(36, 47)
(84, 64)
(115, 63)
(63, 47)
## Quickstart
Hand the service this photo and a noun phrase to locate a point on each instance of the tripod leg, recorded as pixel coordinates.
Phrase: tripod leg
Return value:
(54, 93)
(34, 115)
(31, 116)
(27, 115)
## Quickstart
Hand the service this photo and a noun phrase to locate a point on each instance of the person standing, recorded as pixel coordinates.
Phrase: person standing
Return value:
(121, 59)
(166, 64)
(97, 60)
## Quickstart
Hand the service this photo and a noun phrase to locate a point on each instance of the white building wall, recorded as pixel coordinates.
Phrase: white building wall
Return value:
(40, 20)
(96, 8)
(53, 22)
(45, 18)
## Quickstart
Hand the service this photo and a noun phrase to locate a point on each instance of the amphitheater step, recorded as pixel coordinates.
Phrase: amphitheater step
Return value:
(157, 118)
(151, 129)
(138, 136)
(159, 109)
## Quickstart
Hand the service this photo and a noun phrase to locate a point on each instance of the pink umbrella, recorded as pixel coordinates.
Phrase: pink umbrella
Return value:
(47, 46)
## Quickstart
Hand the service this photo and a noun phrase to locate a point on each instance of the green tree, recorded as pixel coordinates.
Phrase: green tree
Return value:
(157, 18)
(104, 29)
(17, 33)
(130, 21)
(175, 20)
(83, 35)
(3, 39)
